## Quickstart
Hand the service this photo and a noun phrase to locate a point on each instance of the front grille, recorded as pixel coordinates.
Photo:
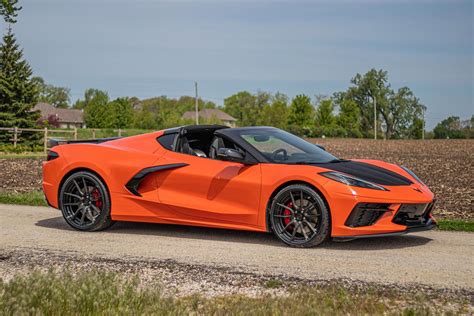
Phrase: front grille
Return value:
(413, 215)
(366, 214)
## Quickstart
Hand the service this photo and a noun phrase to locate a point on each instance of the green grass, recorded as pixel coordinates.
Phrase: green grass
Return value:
(100, 293)
(456, 225)
(35, 198)
(23, 155)
(273, 284)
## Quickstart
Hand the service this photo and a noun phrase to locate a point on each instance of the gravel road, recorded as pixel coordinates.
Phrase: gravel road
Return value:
(443, 260)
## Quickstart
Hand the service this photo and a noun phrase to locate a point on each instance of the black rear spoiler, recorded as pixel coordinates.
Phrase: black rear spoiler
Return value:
(56, 142)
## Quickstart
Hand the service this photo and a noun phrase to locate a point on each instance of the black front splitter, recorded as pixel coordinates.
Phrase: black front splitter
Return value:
(428, 226)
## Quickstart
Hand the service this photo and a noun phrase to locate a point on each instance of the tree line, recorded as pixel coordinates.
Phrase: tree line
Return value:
(348, 113)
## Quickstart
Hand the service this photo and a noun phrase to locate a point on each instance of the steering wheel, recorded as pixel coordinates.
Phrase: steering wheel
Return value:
(277, 152)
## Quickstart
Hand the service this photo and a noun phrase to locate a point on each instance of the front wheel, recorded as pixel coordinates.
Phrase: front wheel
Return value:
(85, 202)
(299, 216)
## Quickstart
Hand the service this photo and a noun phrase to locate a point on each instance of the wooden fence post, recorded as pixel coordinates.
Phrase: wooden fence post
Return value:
(75, 133)
(93, 133)
(45, 140)
(119, 132)
(15, 136)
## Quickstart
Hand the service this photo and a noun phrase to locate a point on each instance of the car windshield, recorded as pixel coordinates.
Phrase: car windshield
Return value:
(281, 147)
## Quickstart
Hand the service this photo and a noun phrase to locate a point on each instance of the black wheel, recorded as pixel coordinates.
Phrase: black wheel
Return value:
(84, 202)
(299, 216)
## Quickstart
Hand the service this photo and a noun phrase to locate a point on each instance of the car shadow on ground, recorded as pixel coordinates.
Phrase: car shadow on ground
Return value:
(190, 232)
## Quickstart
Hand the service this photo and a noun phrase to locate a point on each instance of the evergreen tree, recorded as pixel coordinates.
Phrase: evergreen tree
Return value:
(349, 118)
(301, 116)
(18, 94)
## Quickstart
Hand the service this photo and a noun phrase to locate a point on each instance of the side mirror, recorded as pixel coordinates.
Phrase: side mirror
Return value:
(322, 147)
(230, 155)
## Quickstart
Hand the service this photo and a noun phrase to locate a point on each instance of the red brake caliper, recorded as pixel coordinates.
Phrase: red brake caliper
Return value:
(96, 197)
(287, 212)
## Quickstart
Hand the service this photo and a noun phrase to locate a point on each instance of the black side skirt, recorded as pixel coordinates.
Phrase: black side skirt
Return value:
(133, 184)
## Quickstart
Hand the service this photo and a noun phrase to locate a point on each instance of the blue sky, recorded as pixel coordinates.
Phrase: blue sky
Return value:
(150, 48)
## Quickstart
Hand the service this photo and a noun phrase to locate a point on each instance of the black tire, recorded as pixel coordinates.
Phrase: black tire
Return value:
(84, 202)
(299, 222)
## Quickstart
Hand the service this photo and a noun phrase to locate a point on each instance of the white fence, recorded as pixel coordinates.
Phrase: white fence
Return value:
(47, 133)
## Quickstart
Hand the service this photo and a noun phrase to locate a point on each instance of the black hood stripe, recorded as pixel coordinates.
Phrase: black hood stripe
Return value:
(367, 172)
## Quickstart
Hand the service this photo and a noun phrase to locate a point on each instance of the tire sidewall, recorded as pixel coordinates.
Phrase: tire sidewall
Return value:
(324, 230)
(104, 216)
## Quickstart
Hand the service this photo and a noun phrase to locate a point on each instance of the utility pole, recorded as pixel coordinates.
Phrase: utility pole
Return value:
(196, 103)
(423, 129)
(375, 117)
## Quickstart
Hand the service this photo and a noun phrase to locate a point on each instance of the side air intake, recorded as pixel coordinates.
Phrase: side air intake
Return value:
(366, 214)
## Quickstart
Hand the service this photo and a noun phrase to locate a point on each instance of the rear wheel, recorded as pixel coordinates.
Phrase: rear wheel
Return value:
(85, 202)
(299, 216)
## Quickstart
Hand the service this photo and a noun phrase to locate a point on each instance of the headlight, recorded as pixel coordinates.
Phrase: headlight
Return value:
(411, 173)
(352, 181)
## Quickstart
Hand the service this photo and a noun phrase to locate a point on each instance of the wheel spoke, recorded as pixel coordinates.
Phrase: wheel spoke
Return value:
(301, 200)
(287, 207)
(309, 225)
(309, 207)
(304, 232)
(77, 187)
(294, 232)
(288, 225)
(85, 185)
(96, 209)
(83, 216)
(72, 204)
(76, 212)
(292, 199)
(73, 195)
(89, 215)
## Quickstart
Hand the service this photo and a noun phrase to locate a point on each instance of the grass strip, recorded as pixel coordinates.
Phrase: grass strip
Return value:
(110, 293)
(38, 155)
(34, 198)
(456, 225)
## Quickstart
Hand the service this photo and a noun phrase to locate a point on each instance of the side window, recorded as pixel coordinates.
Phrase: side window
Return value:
(167, 141)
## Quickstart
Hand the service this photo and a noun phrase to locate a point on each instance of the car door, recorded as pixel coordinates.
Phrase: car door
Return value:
(210, 190)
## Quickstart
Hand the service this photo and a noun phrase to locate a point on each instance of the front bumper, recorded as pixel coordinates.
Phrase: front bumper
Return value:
(429, 225)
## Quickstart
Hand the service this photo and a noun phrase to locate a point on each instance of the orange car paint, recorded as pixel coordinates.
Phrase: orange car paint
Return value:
(214, 193)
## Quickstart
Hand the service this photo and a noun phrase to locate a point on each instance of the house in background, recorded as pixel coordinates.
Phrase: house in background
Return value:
(211, 114)
(67, 118)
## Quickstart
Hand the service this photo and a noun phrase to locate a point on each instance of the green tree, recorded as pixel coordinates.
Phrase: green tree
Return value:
(9, 10)
(18, 93)
(325, 113)
(246, 107)
(349, 118)
(118, 114)
(95, 108)
(397, 110)
(403, 115)
(449, 128)
(301, 115)
(89, 96)
(57, 96)
(276, 113)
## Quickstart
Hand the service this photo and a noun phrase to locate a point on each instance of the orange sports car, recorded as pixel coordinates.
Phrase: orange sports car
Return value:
(250, 178)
